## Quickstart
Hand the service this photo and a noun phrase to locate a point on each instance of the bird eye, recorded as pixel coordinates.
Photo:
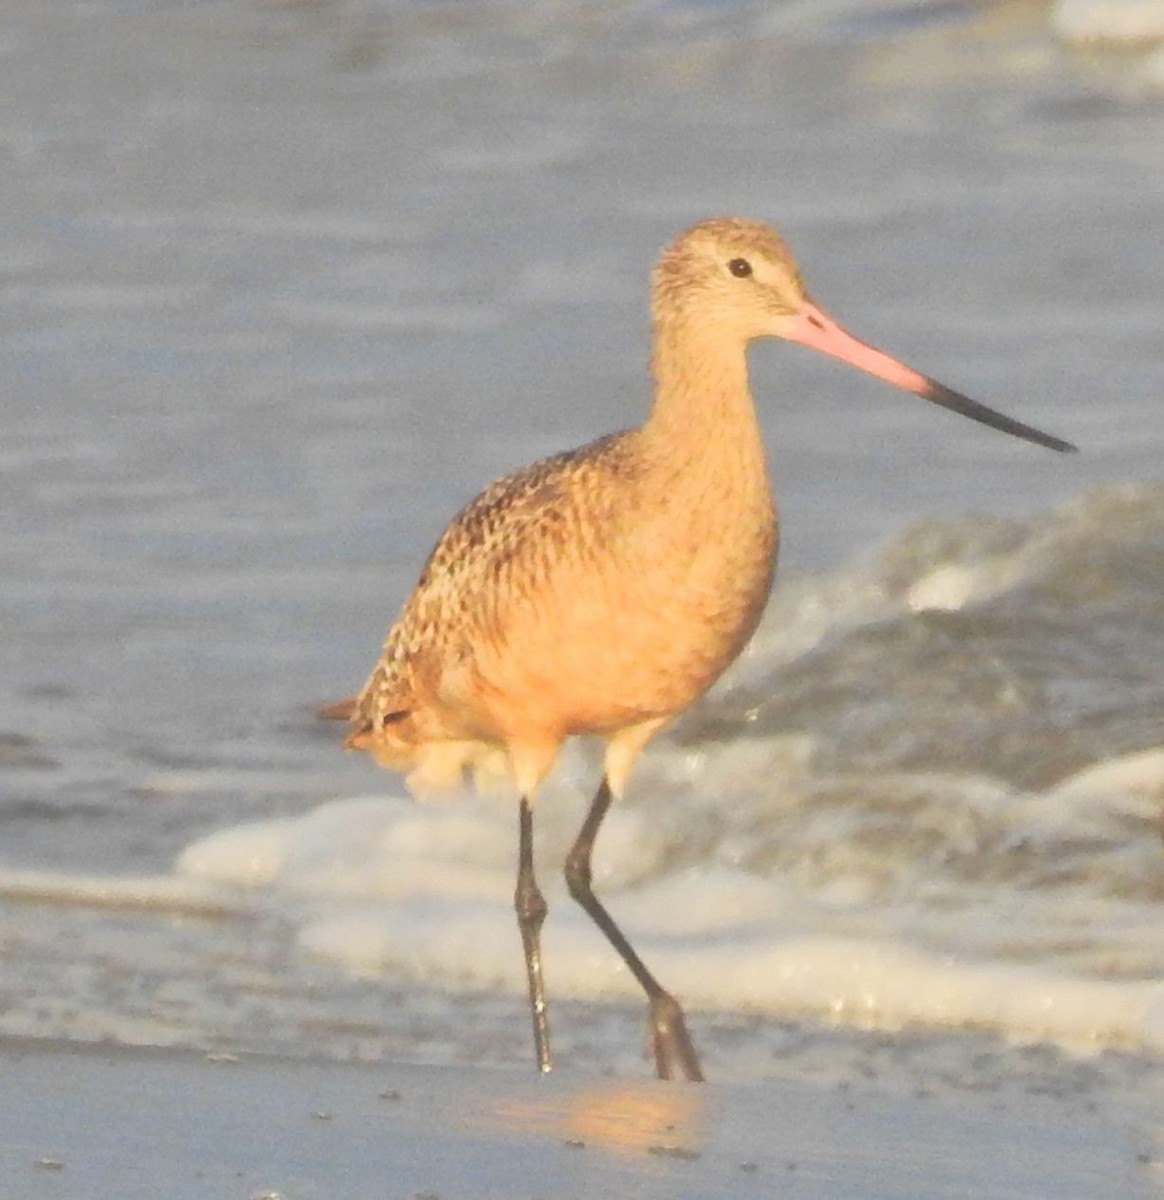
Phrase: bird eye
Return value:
(740, 268)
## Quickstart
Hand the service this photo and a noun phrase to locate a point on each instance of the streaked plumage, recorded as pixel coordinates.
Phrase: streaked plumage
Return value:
(601, 591)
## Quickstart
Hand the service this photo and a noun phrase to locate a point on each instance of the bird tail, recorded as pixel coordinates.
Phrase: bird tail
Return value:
(430, 766)
(338, 710)
(365, 735)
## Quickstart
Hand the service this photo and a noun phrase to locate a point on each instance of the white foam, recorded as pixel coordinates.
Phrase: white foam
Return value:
(1127, 21)
(866, 982)
(946, 588)
(885, 985)
(385, 885)
(1133, 781)
(362, 847)
(154, 893)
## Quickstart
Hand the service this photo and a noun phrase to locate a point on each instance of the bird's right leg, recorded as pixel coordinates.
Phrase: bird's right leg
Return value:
(531, 912)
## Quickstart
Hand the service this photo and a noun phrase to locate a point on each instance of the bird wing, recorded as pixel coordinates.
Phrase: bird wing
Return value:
(493, 555)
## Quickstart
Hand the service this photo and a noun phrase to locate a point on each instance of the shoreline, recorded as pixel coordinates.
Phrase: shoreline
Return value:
(95, 1122)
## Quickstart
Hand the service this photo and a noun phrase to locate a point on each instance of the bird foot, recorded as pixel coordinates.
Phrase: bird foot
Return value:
(674, 1052)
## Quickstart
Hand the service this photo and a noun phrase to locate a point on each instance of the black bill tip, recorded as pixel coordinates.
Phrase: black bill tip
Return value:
(938, 393)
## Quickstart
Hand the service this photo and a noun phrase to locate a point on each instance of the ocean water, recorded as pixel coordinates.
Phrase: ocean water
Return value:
(284, 284)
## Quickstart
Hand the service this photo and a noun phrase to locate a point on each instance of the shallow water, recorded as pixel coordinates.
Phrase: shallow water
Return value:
(285, 284)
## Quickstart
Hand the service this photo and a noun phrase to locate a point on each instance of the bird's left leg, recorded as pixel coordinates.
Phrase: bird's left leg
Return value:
(674, 1052)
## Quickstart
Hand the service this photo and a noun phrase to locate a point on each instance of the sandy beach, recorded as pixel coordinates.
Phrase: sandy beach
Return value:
(82, 1122)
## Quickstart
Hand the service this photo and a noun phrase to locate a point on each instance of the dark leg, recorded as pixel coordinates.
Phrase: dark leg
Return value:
(531, 912)
(674, 1053)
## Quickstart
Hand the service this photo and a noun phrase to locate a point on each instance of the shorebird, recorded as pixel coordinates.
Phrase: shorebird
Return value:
(602, 590)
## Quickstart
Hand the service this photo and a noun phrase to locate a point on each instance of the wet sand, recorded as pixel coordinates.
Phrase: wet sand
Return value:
(93, 1122)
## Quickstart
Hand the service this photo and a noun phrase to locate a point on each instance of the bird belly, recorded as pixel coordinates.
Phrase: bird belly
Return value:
(618, 647)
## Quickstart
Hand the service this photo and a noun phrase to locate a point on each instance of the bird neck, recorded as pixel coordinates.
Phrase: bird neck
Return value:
(703, 418)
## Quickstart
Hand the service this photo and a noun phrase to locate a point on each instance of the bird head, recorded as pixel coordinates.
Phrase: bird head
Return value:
(738, 280)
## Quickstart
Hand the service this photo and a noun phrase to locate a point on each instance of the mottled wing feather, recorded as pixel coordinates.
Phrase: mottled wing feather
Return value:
(492, 554)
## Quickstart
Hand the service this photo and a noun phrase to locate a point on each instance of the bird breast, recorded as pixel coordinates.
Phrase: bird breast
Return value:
(631, 609)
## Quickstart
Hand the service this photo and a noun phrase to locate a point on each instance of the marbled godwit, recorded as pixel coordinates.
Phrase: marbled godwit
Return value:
(602, 590)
